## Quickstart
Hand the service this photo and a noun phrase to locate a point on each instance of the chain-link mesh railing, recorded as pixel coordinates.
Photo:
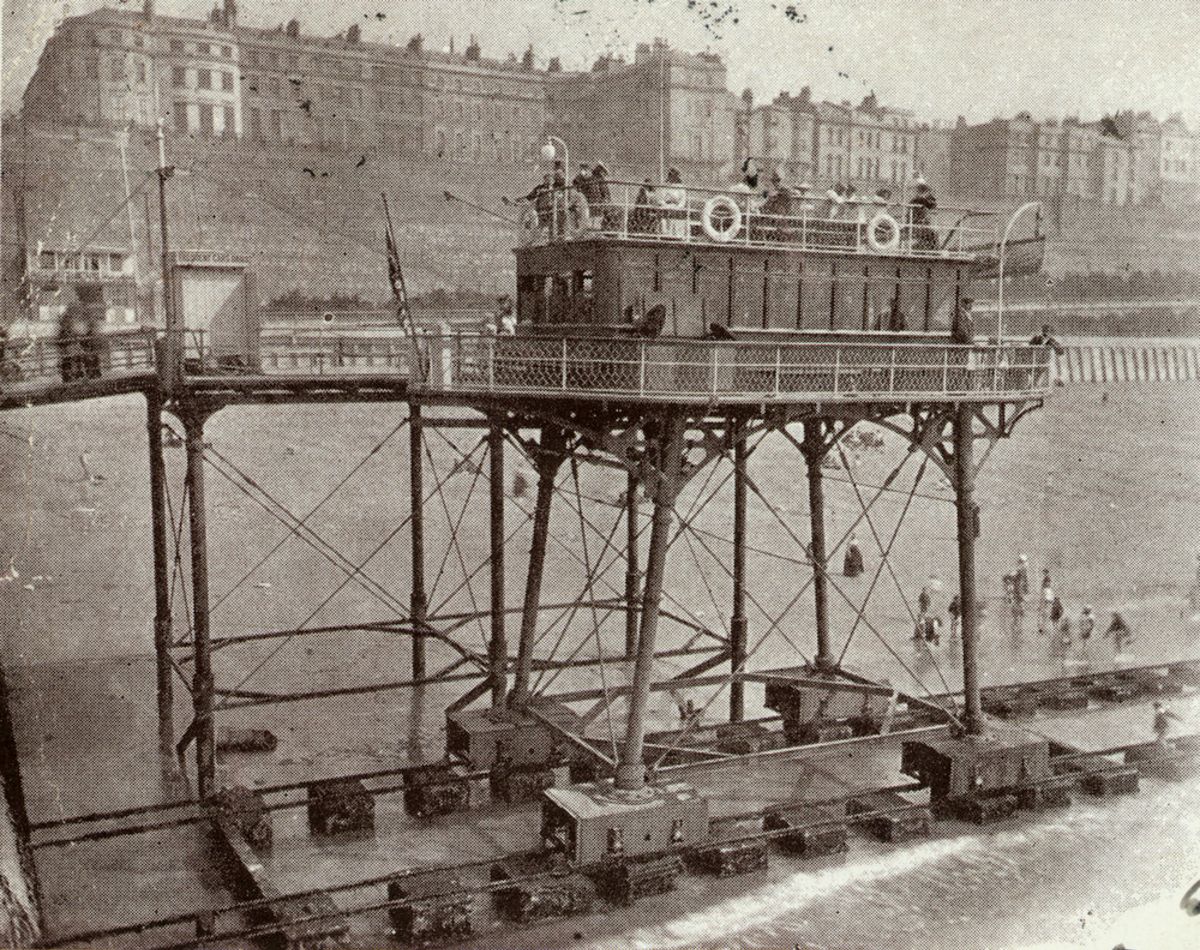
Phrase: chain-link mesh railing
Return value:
(702, 369)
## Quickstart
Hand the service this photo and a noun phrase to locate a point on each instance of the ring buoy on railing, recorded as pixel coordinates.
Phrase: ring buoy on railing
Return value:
(889, 240)
(729, 209)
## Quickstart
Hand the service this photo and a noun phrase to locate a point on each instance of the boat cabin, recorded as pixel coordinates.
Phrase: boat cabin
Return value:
(717, 263)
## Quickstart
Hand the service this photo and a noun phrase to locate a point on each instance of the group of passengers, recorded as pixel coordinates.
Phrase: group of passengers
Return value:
(838, 218)
(774, 211)
(80, 340)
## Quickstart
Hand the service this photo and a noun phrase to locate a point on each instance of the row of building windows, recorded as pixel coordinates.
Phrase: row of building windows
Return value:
(203, 49)
(207, 115)
(205, 79)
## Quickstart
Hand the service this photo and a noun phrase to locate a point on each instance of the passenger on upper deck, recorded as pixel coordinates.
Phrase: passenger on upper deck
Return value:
(924, 238)
(749, 185)
(776, 209)
(542, 199)
(646, 212)
(673, 198)
(1046, 339)
(506, 317)
(583, 178)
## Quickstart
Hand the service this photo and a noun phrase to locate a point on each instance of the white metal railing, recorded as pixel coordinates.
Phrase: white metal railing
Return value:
(41, 362)
(702, 369)
(653, 369)
(802, 221)
(309, 351)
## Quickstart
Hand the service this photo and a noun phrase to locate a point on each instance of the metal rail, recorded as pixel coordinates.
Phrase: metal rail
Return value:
(339, 913)
(788, 219)
(706, 370)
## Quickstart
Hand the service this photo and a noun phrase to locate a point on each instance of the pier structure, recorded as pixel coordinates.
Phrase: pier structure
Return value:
(592, 378)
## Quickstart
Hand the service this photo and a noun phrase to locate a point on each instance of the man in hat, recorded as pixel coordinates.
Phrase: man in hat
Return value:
(777, 209)
(582, 178)
(1121, 634)
(923, 204)
(1044, 338)
(646, 210)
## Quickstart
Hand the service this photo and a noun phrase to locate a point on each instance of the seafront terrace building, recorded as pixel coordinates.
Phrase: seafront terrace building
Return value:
(117, 67)
(667, 106)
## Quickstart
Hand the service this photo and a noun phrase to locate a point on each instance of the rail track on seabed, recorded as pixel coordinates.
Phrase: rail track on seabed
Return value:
(814, 826)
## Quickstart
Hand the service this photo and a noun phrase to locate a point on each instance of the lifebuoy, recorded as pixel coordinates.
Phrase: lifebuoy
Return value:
(529, 219)
(891, 228)
(730, 208)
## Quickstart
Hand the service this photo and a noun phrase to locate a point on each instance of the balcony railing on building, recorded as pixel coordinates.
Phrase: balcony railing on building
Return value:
(801, 221)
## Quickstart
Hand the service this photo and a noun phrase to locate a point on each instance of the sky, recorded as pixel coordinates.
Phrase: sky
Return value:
(940, 58)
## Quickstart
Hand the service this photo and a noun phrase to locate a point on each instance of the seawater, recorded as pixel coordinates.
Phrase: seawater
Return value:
(1103, 873)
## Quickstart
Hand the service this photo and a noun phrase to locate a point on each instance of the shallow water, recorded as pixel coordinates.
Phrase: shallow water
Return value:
(1107, 494)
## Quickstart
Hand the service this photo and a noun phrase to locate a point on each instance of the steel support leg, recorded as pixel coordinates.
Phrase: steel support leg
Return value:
(632, 575)
(418, 603)
(202, 674)
(737, 623)
(498, 645)
(551, 453)
(813, 453)
(964, 491)
(159, 534)
(631, 770)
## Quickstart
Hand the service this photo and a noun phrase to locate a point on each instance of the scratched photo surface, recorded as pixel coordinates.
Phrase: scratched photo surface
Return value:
(600, 473)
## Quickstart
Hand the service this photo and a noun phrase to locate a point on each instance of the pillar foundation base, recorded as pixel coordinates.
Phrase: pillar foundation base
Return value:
(485, 737)
(594, 821)
(998, 761)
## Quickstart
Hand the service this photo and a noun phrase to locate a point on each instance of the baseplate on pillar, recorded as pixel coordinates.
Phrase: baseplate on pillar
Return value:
(820, 706)
(1003, 758)
(593, 821)
(484, 737)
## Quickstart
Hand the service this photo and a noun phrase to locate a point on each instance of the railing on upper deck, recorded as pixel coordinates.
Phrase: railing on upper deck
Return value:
(725, 218)
(722, 370)
(39, 363)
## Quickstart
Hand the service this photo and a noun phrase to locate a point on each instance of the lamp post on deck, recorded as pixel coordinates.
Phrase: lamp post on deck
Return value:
(1000, 273)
